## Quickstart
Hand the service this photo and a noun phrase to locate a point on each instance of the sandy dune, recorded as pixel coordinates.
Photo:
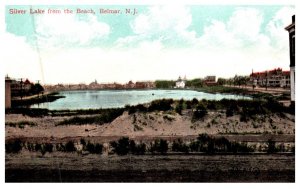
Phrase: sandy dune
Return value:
(159, 124)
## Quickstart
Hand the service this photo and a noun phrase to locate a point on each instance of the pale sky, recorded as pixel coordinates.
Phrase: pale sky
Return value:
(160, 42)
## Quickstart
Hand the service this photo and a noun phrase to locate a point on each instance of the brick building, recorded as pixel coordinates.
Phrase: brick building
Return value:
(271, 78)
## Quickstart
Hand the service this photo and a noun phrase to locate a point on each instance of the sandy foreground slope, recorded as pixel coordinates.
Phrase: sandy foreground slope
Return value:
(76, 167)
(147, 125)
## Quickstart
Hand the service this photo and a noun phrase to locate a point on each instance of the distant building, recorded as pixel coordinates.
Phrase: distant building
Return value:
(20, 87)
(144, 85)
(27, 85)
(94, 85)
(271, 78)
(210, 80)
(291, 29)
(130, 85)
(180, 83)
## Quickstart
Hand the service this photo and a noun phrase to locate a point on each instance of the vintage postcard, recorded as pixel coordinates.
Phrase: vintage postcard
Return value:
(150, 93)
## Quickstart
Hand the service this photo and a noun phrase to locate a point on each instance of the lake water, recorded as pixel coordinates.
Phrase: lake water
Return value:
(86, 99)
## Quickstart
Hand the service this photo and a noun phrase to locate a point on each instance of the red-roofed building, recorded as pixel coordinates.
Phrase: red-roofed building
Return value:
(210, 80)
(271, 78)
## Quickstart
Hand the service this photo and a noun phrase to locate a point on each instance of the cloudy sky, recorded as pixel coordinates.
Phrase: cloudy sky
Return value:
(160, 42)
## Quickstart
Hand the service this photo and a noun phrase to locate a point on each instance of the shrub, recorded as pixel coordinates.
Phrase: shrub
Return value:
(222, 144)
(293, 149)
(161, 105)
(121, 147)
(38, 147)
(30, 147)
(82, 142)
(137, 108)
(21, 124)
(70, 147)
(271, 146)
(48, 147)
(237, 147)
(212, 105)
(160, 146)
(200, 112)
(14, 146)
(132, 146)
(141, 108)
(207, 144)
(94, 148)
(188, 104)
(195, 101)
(137, 128)
(105, 117)
(168, 118)
(194, 146)
(32, 112)
(179, 146)
(60, 147)
(98, 148)
(140, 149)
(230, 111)
(90, 147)
(42, 149)
(179, 108)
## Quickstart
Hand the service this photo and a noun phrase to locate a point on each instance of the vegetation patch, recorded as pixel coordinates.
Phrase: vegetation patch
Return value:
(159, 146)
(179, 146)
(210, 145)
(168, 118)
(125, 146)
(92, 148)
(200, 112)
(105, 117)
(161, 105)
(137, 128)
(20, 124)
(13, 146)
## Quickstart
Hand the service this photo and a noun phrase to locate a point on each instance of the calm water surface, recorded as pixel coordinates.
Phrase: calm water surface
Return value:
(86, 99)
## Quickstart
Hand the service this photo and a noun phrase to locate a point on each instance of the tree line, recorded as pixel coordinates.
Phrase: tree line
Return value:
(203, 144)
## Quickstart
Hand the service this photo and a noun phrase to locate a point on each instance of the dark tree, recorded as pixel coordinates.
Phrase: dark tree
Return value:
(70, 147)
(14, 146)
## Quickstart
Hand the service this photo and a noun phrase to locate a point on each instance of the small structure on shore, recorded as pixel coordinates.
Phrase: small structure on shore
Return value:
(180, 83)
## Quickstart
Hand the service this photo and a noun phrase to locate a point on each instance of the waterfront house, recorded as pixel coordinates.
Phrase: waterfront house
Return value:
(210, 81)
(271, 78)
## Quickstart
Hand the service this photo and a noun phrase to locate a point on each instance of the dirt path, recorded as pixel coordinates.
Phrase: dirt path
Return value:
(269, 90)
(70, 167)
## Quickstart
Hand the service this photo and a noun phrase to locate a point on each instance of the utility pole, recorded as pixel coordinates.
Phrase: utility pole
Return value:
(266, 80)
(252, 80)
(21, 91)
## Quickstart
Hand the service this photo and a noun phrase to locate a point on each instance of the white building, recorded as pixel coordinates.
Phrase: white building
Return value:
(180, 83)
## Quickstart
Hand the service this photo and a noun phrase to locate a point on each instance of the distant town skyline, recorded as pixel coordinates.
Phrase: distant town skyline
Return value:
(159, 42)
